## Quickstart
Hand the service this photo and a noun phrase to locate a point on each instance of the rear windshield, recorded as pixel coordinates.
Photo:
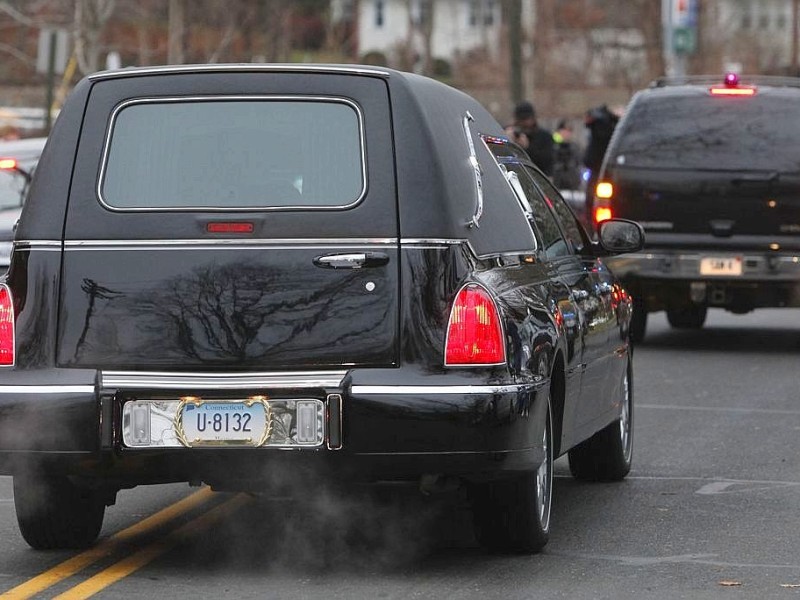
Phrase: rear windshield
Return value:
(234, 154)
(714, 133)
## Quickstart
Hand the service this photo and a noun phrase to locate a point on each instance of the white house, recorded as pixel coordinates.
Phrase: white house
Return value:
(387, 26)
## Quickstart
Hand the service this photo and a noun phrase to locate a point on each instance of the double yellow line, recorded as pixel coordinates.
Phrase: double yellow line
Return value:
(139, 558)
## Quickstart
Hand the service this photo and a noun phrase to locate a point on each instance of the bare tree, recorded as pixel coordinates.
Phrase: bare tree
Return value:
(91, 17)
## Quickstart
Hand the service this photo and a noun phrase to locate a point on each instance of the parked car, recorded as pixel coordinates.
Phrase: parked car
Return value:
(350, 264)
(18, 160)
(708, 166)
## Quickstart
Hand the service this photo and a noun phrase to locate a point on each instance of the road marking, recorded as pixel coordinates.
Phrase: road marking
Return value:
(77, 563)
(732, 409)
(688, 559)
(146, 555)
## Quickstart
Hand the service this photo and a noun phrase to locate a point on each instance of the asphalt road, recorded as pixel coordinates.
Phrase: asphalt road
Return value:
(710, 509)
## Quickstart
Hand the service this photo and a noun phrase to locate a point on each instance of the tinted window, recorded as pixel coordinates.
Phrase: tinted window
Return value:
(234, 154)
(705, 132)
(573, 229)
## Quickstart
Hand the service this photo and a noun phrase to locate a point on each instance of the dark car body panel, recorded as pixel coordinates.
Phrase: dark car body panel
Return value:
(116, 306)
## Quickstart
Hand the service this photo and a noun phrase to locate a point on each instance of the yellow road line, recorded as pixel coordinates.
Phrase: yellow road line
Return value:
(77, 563)
(142, 557)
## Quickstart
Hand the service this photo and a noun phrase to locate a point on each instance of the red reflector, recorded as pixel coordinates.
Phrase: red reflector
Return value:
(602, 213)
(8, 164)
(6, 327)
(474, 333)
(229, 228)
(733, 91)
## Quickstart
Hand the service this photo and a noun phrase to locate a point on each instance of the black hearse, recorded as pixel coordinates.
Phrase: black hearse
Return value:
(349, 264)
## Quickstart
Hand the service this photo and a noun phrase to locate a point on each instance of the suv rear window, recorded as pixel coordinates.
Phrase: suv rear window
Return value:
(233, 154)
(714, 133)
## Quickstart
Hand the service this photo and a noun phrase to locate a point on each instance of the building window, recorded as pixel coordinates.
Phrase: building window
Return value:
(763, 21)
(781, 21)
(747, 19)
(379, 13)
(472, 12)
(488, 13)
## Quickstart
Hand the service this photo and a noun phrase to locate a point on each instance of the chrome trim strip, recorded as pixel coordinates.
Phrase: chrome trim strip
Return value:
(238, 67)
(49, 244)
(432, 242)
(235, 98)
(477, 172)
(447, 389)
(237, 242)
(47, 389)
(225, 381)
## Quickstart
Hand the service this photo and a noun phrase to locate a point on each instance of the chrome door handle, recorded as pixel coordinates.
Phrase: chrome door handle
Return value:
(352, 260)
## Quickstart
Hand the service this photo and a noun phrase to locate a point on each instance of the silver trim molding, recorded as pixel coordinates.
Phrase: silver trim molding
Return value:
(47, 389)
(236, 243)
(447, 389)
(223, 381)
(238, 68)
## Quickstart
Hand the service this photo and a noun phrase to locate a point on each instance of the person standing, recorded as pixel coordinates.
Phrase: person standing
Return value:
(566, 167)
(601, 123)
(535, 140)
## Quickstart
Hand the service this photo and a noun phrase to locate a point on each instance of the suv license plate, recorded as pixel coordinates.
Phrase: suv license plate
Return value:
(721, 266)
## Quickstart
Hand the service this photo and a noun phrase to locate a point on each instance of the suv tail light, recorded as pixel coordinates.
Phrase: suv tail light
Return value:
(604, 190)
(6, 327)
(602, 213)
(474, 332)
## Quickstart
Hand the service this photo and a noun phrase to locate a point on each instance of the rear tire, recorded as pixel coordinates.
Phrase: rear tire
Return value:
(514, 515)
(54, 513)
(690, 316)
(607, 455)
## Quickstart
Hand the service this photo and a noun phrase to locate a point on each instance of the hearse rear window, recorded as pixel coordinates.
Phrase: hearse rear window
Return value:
(233, 154)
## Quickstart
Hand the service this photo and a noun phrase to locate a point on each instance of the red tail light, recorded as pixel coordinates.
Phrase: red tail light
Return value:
(474, 333)
(6, 327)
(602, 213)
(8, 164)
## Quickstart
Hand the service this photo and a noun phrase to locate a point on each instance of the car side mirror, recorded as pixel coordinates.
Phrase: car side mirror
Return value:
(618, 236)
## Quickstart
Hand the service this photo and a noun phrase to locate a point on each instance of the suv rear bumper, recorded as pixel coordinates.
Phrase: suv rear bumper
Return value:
(669, 278)
(390, 431)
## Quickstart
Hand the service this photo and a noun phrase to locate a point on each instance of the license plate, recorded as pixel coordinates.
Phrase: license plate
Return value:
(245, 422)
(721, 266)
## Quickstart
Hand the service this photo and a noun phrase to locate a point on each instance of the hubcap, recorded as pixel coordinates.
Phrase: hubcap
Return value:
(544, 480)
(625, 419)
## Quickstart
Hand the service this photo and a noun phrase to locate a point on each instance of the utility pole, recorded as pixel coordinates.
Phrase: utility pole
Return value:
(515, 49)
(795, 11)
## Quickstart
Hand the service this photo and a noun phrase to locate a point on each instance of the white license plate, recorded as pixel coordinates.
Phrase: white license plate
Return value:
(243, 422)
(721, 266)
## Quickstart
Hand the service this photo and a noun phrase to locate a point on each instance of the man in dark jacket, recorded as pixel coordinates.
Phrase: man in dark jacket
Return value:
(537, 142)
(601, 123)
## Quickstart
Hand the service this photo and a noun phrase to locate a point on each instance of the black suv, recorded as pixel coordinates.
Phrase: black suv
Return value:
(710, 167)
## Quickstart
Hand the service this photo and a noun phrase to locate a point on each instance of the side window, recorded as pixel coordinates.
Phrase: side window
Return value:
(572, 228)
(545, 223)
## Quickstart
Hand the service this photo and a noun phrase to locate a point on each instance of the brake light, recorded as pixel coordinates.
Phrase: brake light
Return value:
(6, 327)
(602, 213)
(731, 87)
(474, 332)
(604, 190)
(8, 164)
(229, 227)
(739, 91)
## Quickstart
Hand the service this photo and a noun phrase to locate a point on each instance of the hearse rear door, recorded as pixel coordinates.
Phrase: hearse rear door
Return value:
(243, 220)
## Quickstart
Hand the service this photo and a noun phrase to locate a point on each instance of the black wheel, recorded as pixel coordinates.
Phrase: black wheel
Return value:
(607, 455)
(689, 316)
(638, 324)
(514, 515)
(54, 513)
